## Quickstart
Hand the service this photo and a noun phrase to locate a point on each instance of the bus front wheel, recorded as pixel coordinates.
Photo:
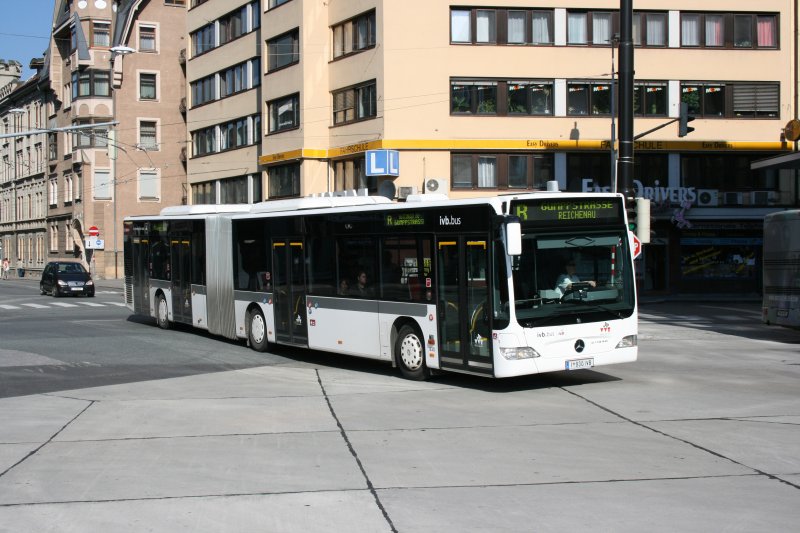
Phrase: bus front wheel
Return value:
(162, 312)
(410, 354)
(257, 331)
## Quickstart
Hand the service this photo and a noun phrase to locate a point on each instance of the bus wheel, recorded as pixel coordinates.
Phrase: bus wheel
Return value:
(162, 312)
(410, 354)
(257, 331)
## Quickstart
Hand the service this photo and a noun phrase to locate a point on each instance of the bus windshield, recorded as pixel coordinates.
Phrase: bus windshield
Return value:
(579, 277)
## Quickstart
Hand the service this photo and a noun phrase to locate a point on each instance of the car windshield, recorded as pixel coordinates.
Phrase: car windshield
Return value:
(71, 268)
(561, 278)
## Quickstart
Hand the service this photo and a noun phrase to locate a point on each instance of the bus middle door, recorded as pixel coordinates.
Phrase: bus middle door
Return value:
(289, 295)
(462, 275)
(180, 278)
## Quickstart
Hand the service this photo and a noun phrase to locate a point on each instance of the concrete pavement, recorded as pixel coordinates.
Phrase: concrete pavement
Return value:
(701, 434)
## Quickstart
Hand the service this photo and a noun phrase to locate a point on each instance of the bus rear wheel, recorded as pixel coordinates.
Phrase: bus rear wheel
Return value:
(162, 312)
(410, 354)
(257, 331)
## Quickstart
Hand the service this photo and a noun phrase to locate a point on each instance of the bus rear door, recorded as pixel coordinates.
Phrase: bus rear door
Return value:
(289, 296)
(464, 335)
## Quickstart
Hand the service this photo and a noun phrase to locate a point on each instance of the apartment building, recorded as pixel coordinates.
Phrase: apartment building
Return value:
(117, 65)
(224, 75)
(23, 186)
(474, 98)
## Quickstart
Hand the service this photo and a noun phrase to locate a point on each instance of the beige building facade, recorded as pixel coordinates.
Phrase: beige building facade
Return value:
(116, 65)
(473, 99)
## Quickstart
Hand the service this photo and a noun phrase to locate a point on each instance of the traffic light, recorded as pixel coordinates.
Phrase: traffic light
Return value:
(683, 121)
(630, 208)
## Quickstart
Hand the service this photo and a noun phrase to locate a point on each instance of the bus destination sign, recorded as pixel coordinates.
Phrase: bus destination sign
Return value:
(569, 210)
(408, 219)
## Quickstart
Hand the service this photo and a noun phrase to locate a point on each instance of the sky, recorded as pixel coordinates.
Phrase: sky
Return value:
(25, 30)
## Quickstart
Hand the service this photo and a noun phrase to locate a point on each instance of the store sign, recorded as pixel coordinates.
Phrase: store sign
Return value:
(656, 194)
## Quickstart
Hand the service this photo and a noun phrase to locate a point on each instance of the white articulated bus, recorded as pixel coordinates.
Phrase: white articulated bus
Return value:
(430, 284)
(781, 300)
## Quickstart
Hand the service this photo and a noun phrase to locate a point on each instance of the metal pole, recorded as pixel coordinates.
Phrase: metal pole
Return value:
(614, 41)
(625, 162)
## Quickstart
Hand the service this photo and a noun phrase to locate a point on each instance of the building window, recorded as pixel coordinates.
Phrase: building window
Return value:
(101, 34)
(233, 80)
(233, 25)
(68, 188)
(149, 185)
(52, 146)
(591, 27)
(276, 3)
(53, 191)
(234, 134)
(175, 2)
(102, 184)
(650, 99)
(204, 90)
(203, 40)
(204, 141)
(712, 30)
(732, 100)
(355, 103)
(284, 113)
(473, 97)
(588, 98)
(501, 26)
(233, 190)
(148, 135)
(284, 180)
(530, 97)
(147, 86)
(147, 38)
(649, 29)
(501, 170)
(351, 174)
(283, 50)
(354, 35)
(204, 193)
(90, 83)
(89, 137)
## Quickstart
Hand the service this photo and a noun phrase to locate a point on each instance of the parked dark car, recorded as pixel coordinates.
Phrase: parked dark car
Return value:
(62, 278)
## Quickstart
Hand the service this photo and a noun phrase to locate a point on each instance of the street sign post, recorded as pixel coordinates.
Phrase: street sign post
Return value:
(94, 231)
(637, 245)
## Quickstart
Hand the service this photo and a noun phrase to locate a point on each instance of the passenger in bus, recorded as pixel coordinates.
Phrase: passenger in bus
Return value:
(344, 287)
(570, 277)
(361, 288)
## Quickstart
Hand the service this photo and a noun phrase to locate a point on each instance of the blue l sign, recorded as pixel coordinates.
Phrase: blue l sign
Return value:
(383, 163)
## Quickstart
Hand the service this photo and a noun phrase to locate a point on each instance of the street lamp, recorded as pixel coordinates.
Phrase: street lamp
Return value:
(119, 50)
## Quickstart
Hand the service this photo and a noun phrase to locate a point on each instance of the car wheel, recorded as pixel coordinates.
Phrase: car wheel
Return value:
(41, 290)
(257, 330)
(54, 292)
(162, 312)
(410, 354)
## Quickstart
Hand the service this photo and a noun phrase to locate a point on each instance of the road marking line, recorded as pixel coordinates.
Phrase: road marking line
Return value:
(9, 307)
(91, 304)
(37, 306)
(118, 304)
(64, 304)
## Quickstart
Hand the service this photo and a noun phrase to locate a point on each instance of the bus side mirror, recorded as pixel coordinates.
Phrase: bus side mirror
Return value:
(513, 236)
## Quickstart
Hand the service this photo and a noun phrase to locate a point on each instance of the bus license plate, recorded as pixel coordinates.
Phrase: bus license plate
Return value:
(577, 364)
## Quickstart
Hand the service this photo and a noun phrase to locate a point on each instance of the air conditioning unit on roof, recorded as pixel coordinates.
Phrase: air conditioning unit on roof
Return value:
(436, 185)
(707, 198)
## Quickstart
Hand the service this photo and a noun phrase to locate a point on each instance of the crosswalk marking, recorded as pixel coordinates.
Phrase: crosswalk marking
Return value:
(64, 304)
(91, 304)
(36, 306)
(118, 304)
(51, 305)
(9, 307)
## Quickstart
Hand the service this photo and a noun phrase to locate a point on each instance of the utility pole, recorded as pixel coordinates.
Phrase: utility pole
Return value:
(625, 161)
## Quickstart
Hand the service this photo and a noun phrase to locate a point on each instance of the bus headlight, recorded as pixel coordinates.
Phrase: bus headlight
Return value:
(628, 342)
(518, 353)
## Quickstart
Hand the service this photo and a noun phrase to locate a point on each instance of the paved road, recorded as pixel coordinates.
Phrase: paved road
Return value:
(701, 434)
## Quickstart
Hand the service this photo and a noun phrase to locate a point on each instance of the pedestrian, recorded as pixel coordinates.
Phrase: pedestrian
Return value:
(5, 268)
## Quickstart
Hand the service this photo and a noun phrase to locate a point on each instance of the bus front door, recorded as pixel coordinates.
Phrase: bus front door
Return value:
(180, 279)
(289, 295)
(464, 334)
